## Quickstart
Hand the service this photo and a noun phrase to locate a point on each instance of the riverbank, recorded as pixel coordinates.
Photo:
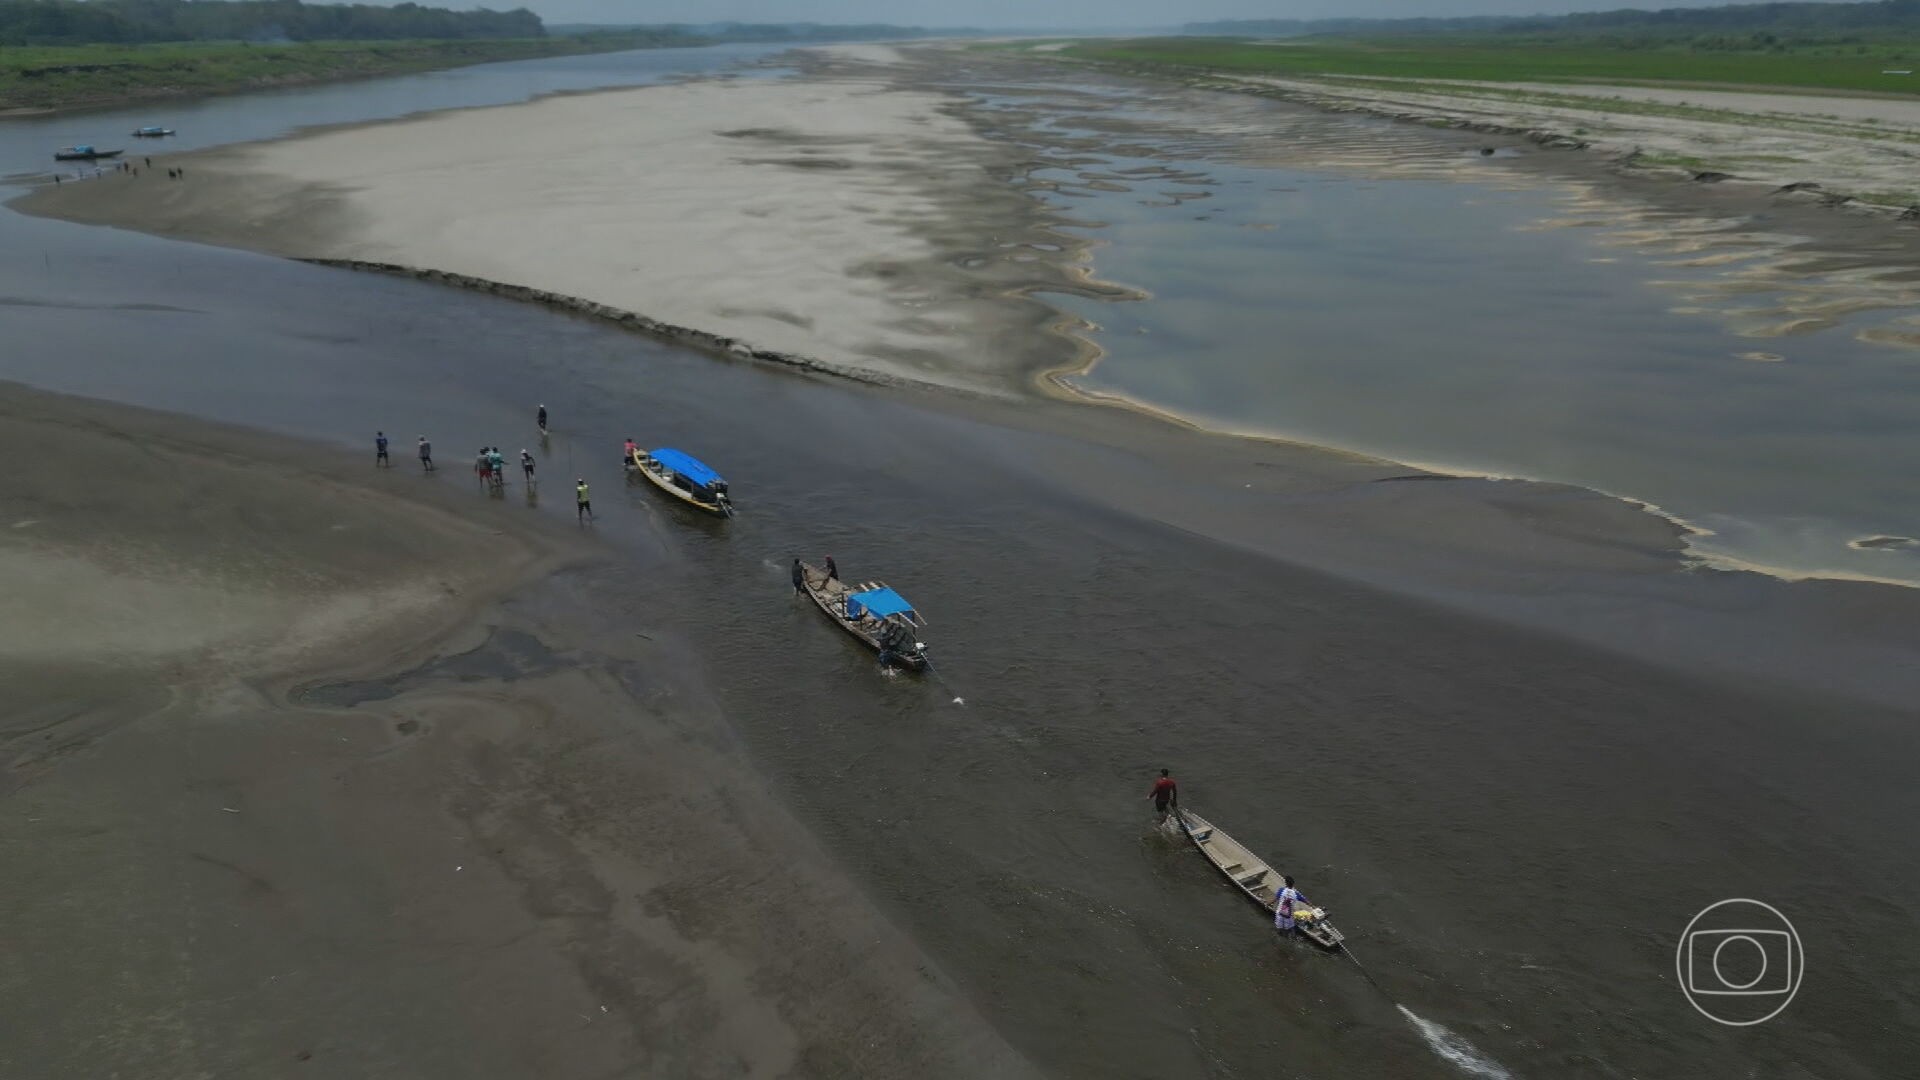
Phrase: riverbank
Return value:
(1818, 143)
(817, 218)
(293, 777)
(39, 80)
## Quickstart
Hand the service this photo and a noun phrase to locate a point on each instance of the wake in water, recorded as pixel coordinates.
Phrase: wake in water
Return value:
(1456, 1050)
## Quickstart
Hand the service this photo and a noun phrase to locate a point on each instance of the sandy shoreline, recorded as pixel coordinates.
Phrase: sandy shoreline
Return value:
(816, 219)
(1826, 149)
(291, 781)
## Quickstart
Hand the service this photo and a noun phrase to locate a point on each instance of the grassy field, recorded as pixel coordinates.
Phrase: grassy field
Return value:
(52, 77)
(1825, 67)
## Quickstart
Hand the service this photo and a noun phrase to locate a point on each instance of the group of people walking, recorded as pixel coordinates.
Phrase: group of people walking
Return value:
(490, 466)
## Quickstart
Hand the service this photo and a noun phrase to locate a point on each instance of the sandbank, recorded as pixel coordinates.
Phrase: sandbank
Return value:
(293, 782)
(817, 217)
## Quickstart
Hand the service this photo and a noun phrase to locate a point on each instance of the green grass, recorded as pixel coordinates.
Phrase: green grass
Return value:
(1826, 66)
(51, 77)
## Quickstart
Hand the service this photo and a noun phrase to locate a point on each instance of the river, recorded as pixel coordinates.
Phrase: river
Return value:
(1350, 282)
(1513, 830)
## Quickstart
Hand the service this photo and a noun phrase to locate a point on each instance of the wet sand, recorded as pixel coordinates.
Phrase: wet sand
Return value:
(812, 217)
(305, 772)
(1145, 604)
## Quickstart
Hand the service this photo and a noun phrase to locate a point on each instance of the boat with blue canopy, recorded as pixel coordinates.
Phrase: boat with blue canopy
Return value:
(684, 477)
(873, 612)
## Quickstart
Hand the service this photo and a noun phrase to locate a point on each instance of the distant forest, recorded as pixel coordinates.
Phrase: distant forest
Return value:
(775, 32)
(1739, 24)
(128, 22)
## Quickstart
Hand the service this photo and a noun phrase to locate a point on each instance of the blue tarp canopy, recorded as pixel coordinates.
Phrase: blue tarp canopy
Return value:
(686, 465)
(878, 602)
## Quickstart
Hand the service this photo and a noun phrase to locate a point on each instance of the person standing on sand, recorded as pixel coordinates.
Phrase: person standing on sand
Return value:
(380, 451)
(582, 505)
(799, 578)
(426, 454)
(1164, 792)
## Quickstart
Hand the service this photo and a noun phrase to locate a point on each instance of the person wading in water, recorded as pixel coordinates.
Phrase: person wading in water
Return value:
(1165, 792)
(582, 505)
(1284, 904)
(799, 578)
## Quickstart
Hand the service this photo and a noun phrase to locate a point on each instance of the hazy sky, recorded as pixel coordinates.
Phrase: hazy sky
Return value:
(1053, 13)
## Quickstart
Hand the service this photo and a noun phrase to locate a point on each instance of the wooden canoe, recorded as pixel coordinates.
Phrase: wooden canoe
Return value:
(831, 596)
(1252, 876)
(665, 479)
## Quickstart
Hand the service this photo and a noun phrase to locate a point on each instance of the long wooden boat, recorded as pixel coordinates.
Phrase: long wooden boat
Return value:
(84, 153)
(1252, 876)
(684, 477)
(153, 133)
(872, 612)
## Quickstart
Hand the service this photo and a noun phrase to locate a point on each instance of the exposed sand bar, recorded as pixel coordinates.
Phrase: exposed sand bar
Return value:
(818, 216)
(1852, 150)
(292, 782)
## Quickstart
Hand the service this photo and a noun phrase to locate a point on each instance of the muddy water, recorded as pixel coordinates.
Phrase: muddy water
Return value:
(1513, 831)
(1354, 283)
(27, 144)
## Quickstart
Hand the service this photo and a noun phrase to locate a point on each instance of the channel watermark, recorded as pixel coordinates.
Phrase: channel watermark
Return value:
(1740, 962)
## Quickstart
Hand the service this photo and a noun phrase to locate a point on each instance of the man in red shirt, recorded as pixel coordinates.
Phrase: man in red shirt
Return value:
(1164, 792)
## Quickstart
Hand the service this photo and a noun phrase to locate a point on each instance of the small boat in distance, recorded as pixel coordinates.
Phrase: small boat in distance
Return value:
(1252, 876)
(84, 152)
(153, 133)
(874, 613)
(684, 477)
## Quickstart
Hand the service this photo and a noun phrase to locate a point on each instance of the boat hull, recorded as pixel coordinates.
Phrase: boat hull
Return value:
(658, 477)
(91, 155)
(1250, 874)
(829, 595)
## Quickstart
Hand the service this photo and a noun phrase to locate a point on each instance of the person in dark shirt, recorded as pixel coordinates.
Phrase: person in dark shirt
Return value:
(833, 571)
(543, 419)
(799, 577)
(380, 450)
(1165, 792)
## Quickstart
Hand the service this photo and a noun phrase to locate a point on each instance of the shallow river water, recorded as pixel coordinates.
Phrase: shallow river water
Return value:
(1355, 283)
(1513, 830)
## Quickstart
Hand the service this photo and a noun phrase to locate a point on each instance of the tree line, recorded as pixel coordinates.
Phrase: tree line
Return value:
(71, 22)
(1757, 25)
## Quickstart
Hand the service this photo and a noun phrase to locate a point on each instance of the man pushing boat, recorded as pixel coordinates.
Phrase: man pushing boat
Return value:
(1164, 792)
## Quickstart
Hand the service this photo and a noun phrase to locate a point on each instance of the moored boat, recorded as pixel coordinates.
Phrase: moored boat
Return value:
(684, 477)
(1252, 876)
(84, 152)
(872, 612)
(153, 132)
